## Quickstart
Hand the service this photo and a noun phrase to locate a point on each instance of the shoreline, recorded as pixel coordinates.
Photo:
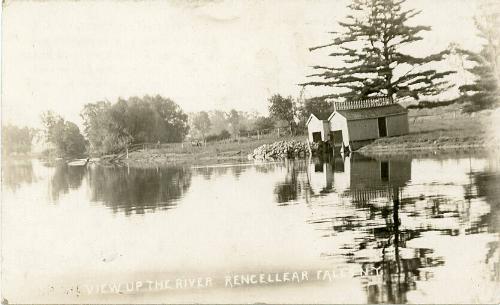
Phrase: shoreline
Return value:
(144, 159)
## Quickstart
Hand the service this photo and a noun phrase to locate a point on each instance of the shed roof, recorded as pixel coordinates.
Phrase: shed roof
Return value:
(373, 112)
(320, 118)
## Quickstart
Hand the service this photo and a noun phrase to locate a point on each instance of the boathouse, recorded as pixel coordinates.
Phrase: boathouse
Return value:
(318, 128)
(356, 123)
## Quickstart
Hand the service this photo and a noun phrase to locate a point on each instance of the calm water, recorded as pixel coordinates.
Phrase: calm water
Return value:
(350, 231)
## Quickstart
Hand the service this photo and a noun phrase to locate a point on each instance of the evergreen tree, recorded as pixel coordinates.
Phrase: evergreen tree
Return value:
(374, 64)
(485, 91)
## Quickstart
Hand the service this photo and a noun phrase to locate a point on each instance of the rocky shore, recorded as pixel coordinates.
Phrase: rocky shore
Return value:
(281, 150)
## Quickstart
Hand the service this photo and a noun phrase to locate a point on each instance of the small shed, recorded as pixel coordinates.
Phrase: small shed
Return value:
(318, 128)
(357, 123)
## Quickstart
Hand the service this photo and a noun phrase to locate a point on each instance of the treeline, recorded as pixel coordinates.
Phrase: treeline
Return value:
(16, 140)
(111, 127)
(218, 125)
(64, 135)
(284, 112)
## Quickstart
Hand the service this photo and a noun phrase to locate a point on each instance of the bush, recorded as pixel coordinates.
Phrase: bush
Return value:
(223, 135)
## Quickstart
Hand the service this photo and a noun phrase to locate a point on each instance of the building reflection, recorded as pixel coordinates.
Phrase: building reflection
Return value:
(293, 186)
(362, 202)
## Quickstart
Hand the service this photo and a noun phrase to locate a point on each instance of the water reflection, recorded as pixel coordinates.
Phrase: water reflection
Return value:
(65, 178)
(15, 173)
(383, 215)
(419, 222)
(137, 190)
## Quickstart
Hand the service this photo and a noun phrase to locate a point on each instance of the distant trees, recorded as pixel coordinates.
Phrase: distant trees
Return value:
(218, 121)
(16, 139)
(370, 46)
(201, 123)
(263, 123)
(64, 135)
(111, 127)
(484, 92)
(218, 125)
(234, 122)
(281, 108)
(318, 106)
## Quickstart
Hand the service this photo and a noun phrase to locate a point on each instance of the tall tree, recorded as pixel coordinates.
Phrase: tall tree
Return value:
(233, 118)
(64, 135)
(282, 108)
(370, 48)
(111, 127)
(201, 123)
(484, 92)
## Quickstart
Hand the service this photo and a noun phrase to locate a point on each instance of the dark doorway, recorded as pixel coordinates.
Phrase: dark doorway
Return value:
(384, 170)
(316, 137)
(336, 137)
(382, 127)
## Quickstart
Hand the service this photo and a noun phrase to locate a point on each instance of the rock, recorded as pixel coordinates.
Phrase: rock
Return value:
(280, 150)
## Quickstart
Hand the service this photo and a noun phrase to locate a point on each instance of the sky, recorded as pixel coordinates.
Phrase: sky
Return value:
(60, 55)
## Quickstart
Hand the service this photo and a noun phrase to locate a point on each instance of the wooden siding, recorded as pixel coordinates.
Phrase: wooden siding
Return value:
(316, 125)
(397, 125)
(338, 122)
(360, 130)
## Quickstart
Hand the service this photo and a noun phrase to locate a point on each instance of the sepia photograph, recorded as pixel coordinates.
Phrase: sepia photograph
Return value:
(250, 152)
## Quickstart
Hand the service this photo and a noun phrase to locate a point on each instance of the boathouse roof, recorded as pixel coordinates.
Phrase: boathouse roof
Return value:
(374, 112)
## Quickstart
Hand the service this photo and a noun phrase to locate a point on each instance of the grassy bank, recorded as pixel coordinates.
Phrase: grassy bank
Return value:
(445, 129)
(431, 130)
(219, 152)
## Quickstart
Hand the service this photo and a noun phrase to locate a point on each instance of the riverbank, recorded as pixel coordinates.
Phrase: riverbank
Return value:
(212, 153)
(443, 129)
(447, 129)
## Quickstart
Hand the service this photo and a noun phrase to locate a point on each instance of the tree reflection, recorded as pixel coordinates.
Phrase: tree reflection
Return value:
(65, 178)
(17, 172)
(137, 190)
(208, 171)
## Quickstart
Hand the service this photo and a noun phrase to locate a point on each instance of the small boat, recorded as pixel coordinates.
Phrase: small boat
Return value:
(79, 162)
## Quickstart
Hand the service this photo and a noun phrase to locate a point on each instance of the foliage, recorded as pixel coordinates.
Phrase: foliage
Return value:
(201, 123)
(263, 123)
(234, 122)
(218, 120)
(281, 108)
(111, 127)
(485, 91)
(320, 107)
(429, 104)
(16, 140)
(64, 135)
(223, 135)
(370, 46)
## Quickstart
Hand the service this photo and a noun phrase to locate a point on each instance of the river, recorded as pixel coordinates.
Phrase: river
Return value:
(353, 230)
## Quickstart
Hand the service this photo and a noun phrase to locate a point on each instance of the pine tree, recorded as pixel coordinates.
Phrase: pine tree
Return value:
(485, 91)
(370, 48)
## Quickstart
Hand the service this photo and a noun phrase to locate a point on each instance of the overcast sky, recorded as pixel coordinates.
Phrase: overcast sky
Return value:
(60, 55)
